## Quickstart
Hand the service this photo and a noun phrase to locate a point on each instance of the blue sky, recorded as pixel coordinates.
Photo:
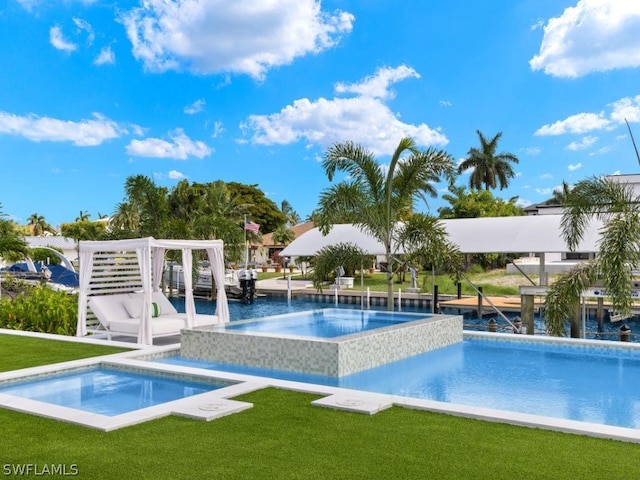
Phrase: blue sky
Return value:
(93, 91)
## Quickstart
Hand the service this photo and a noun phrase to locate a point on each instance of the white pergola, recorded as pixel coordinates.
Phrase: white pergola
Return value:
(136, 265)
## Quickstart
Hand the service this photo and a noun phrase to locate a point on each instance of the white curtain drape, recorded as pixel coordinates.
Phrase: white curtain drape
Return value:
(86, 268)
(158, 266)
(216, 260)
(145, 334)
(187, 269)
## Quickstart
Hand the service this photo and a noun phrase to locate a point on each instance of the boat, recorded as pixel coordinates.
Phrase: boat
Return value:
(236, 281)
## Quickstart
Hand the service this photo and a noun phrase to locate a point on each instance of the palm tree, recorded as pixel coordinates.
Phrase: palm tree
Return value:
(618, 207)
(292, 216)
(12, 245)
(375, 201)
(283, 235)
(83, 216)
(489, 168)
(150, 201)
(38, 224)
(125, 220)
(561, 194)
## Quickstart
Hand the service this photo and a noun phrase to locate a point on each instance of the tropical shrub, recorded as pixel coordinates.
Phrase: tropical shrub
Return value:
(40, 309)
(328, 259)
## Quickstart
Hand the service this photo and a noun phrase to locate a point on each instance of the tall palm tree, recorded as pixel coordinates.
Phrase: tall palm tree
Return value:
(38, 224)
(618, 207)
(150, 201)
(489, 168)
(374, 200)
(561, 194)
(83, 216)
(125, 220)
(292, 216)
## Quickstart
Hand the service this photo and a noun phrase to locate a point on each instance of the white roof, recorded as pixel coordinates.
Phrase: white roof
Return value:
(64, 243)
(134, 243)
(538, 233)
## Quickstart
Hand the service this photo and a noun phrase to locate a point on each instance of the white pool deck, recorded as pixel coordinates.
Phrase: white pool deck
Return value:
(218, 403)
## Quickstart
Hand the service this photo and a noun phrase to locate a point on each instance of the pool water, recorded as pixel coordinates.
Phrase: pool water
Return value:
(555, 381)
(264, 307)
(325, 323)
(106, 391)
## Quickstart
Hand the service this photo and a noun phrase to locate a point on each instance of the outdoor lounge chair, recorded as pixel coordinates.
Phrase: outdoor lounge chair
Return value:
(120, 314)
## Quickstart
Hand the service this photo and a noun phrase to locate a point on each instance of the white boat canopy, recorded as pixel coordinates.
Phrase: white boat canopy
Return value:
(128, 266)
(524, 234)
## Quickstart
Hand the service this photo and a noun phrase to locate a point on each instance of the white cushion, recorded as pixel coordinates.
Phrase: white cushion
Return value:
(165, 306)
(108, 307)
(133, 306)
(159, 326)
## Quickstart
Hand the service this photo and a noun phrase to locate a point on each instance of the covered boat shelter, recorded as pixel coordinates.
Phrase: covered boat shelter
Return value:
(538, 234)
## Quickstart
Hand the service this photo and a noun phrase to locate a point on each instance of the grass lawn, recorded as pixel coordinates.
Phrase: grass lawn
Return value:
(284, 437)
(494, 282)
(21, 352)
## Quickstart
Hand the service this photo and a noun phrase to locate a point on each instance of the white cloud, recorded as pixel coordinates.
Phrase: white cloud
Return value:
(195, 107)
(533, 151)
(218, 129)
(601, 151)
(544, 191)
(219, 36)
(617, 172)
(574, 167)
(546, 176)
(445, 103)
(176, 175)
(180, 147)
(39, 129)
(324, 122)
(377, 85)
(58, 41)
(83, 25)
(105, 57)
(579, 123)
(586, 142)
(592, 36)
(626, 108)
(523, 203)
(538, 25)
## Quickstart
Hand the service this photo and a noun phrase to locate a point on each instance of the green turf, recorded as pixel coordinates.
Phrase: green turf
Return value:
(22, 352)
(285, 437)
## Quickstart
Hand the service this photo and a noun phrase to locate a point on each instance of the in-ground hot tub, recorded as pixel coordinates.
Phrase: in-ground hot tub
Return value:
(330, 342)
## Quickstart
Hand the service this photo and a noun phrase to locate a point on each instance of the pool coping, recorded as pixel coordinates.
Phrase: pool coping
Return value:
(333, 397)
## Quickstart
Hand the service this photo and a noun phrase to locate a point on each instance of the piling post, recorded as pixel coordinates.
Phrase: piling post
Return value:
(625, 333)
(526, 311)
(459, 285)
(493, 325)
(575, 321)
(600, 314)
(479, 302)
(434, 302)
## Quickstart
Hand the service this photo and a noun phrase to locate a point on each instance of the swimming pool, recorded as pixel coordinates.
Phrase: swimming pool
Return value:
(106, 391)
(333, 342)
(325, 323)
(573, 380)
(274, 306)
